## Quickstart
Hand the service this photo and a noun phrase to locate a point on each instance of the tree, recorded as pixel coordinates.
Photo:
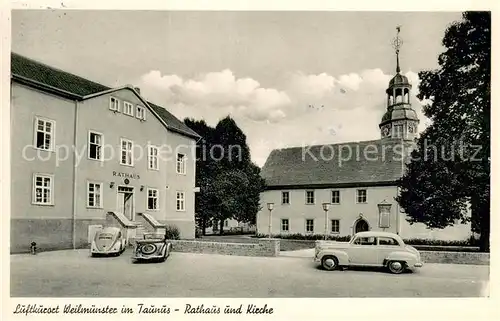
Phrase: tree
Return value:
(235, 152)
(450, 168)
(229, 189)
(205, 171)
(230, 184)
(250, 198)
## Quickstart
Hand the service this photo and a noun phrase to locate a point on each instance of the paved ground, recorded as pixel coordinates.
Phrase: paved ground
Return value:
(307, 253)
(75, 274)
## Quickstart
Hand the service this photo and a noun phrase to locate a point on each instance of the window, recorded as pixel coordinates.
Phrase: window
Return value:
(180, 201)
(114, 104)
(285, 225)
(128, 108)
(153, 158)
(309, 197)
(398, 131)
(285, 197)
(127, 152)
(389, 241)
(335, 226)
(335, 197)
(44, 133)
(181, 164)
(152, 199)
(365, 241)
(361, 196)
(95, 145)
(140, 112)
(94, 195)
(226, 223)
(43, 186)
(309, 226)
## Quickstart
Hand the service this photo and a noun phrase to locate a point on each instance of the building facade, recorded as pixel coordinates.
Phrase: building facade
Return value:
(356, 179)
(81, 150)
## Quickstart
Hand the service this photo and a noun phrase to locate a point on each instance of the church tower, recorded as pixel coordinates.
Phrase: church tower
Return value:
(400, 121)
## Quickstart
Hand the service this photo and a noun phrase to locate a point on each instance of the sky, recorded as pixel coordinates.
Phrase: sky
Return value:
(287, 78)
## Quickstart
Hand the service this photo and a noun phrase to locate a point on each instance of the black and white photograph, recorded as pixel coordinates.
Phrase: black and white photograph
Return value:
(248, 154)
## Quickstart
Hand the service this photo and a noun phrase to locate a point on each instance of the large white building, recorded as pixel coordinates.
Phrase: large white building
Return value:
(85, 154)
(356, 178)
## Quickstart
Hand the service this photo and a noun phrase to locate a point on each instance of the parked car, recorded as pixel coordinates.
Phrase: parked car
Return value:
(108, 241)
(153, 248)
(368, 249)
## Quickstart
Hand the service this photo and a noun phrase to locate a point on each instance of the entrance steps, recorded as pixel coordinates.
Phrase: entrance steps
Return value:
(140, 231)
(144, 223)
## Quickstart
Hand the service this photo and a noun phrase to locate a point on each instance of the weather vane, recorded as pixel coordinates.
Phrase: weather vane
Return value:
(397, 43)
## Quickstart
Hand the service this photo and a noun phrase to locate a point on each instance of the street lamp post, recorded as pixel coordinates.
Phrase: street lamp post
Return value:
(270, 207)
(326, 206)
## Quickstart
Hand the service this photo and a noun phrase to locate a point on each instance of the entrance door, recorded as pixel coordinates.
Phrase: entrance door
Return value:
(126, 201)
(361, 226)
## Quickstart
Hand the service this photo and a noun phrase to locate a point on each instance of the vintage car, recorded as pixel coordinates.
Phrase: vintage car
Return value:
(381, 249)
(153, 248)
(108, 241)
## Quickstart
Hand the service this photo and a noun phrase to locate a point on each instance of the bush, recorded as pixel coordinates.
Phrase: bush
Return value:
(307, 237)
(469, 242)
(172, 232)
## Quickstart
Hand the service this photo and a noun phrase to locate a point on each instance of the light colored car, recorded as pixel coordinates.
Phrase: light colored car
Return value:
(108, 241)
(368, 249)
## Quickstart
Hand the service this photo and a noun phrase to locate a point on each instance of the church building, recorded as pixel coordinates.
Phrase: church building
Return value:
(342, 189)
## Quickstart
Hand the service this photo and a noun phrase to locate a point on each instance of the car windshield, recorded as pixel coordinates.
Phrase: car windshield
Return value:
(154, 236)
(105, 236)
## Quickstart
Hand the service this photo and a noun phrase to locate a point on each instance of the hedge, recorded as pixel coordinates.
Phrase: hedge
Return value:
(311, 237)
(469, 242)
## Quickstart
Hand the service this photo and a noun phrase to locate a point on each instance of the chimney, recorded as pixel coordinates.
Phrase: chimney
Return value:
(138, 90)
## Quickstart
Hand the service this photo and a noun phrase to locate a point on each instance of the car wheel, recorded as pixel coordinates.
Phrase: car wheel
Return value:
(329, 263)
(396, 267)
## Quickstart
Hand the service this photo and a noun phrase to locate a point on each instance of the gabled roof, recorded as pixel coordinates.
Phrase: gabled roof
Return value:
(53, 77)
(59, 82)
(371, 163)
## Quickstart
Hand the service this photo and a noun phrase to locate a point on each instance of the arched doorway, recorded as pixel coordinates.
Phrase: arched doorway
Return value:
(361, 226)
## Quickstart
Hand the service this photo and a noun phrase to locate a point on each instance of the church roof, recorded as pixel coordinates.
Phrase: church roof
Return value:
(71, 86)
(371, 163)
(401, 112)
